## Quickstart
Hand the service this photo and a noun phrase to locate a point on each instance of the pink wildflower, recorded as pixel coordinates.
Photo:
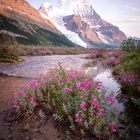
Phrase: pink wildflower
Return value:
(33, 101)
(41, 83)
(67, 89)
(16, 106)
(113, 127)
(83, 106)
(1, 101)
(129, 78)
(99, 85)
(111, 100)
(52, 86)
(78, 118)
(83, 95)
(101, 112)
(87, 84)
(33, 84)
(69, 79)
(78, 84)
(95, 103)
(21, 93)
(77, 115)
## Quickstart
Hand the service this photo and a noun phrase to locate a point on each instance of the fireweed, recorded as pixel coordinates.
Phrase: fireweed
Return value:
(112, 61)
(131, 86)
(73, 97)
(132, 82)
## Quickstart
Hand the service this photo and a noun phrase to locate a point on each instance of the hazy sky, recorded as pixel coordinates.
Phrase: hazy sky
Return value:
(123, 13)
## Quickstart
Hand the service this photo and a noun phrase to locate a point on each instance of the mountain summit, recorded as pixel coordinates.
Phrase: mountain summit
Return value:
(79, 19)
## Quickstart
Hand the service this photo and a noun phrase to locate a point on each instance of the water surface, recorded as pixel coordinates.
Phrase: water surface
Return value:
(104, 75)
(34, 65)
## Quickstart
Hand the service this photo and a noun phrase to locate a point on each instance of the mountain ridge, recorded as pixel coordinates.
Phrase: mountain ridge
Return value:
(89, 26)
(19, 19)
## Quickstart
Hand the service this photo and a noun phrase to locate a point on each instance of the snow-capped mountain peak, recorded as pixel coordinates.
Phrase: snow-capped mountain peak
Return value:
(56, 14)
(78, 19)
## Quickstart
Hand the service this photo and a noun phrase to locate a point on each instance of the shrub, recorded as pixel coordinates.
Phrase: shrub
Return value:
(73, 97)
(114, 54)
(128, 45)
(112, 61)
(129, 69)
(8, 53)
(132, 62)
(8, 49)
(131, 45)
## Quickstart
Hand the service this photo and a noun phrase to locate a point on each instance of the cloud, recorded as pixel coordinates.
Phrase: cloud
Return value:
(128, 24)
(133, 8)
(128, 19)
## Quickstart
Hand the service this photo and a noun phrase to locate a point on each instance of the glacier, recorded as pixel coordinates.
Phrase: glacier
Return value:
(55, 14)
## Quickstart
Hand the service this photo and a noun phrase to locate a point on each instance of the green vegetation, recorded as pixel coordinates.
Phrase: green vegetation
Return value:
(51, 50)
(17, 39)
(132, 62)
(100, 45)
(8, 49)
(35, 35)
(132, 58)
(74, 99)
(130, 45)
(129, 71)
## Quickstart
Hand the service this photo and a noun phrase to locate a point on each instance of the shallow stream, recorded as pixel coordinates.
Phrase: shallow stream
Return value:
(34, 65)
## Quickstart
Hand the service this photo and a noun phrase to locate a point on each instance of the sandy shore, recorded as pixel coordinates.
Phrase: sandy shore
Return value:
(8, 86)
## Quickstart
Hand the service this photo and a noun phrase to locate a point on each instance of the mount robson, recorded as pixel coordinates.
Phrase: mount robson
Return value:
(73, 24)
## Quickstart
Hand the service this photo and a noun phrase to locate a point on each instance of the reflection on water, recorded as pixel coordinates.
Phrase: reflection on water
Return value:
(108, 81)
(36, 65)
(111, 86)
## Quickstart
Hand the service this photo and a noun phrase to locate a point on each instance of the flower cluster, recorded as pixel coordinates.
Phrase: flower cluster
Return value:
(114, 53)
(129, 78)
(111, 100)
(113, 127)
(72, 96)
(112, 61)
(30, 96)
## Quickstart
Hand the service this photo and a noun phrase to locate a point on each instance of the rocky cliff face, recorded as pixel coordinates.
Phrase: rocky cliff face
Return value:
(82, 19)
(82, 28)
(105, 30)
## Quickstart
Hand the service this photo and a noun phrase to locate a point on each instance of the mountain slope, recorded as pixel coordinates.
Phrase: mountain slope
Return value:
(59, 23)
(19, 19)
(79, 17)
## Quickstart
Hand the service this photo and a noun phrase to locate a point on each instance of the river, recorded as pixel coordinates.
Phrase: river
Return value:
(18, 73)
(34, 65)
